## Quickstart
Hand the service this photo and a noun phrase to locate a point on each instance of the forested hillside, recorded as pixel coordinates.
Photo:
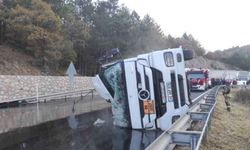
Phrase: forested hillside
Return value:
(235, 56)
(56, 32)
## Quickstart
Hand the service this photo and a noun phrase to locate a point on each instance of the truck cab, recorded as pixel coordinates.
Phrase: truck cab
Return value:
(148, 91)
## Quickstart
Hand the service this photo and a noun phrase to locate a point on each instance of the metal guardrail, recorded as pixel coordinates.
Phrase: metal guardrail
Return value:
(178, 135)
(48, 97)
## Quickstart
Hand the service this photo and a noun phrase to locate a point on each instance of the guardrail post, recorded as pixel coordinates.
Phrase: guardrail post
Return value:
(194, 140)
(91, 100)
(92, 94)
(205, 134)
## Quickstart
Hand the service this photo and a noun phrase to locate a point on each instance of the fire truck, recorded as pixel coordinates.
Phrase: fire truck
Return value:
(198, 79)
(148, 91)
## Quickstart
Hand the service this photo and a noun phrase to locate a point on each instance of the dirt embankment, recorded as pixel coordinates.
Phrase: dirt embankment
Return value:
(14, 62)
(229, 130)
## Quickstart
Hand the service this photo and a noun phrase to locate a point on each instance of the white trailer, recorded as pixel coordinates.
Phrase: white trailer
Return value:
(148, 91)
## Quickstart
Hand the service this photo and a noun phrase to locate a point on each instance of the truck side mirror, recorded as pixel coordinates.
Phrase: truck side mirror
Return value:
(188, 54)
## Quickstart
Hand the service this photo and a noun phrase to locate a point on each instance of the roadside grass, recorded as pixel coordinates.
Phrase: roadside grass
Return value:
(243, 96)
(230, 130)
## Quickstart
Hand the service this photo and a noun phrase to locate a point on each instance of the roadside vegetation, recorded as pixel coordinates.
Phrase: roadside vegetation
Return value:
(243, 96)
(230, 130)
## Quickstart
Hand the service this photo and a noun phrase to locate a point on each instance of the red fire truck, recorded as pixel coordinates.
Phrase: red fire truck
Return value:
(198, 79)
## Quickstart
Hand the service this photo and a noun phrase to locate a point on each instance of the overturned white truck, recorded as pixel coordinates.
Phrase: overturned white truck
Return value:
(148, 91)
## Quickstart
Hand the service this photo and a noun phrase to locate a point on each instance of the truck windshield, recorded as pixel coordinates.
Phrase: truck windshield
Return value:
(196, 76)
(113, 79)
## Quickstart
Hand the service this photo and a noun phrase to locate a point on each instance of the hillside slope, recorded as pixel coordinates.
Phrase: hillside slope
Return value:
(244, 50)
(14, 62)
(203, 62)
(236, 56)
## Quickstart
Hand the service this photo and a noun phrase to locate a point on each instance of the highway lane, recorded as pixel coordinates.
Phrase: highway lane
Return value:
(58, 134)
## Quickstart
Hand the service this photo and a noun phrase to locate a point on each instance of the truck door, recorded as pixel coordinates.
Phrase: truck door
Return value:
(146, 94)
(180, 79)
(160, 93)
(181, 88)
(151, 80)
(175, 89)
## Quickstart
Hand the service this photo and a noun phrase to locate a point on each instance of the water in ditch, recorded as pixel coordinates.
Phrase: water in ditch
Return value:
(59, 135)
(77, 133)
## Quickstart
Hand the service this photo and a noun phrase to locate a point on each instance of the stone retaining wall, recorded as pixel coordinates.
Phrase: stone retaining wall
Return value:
(16, 87)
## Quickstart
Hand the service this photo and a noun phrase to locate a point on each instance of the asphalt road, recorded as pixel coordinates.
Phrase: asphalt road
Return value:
(59, 135)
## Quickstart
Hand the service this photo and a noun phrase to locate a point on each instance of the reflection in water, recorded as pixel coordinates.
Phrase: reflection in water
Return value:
(72, 121)
(58, 135)
(132, 139)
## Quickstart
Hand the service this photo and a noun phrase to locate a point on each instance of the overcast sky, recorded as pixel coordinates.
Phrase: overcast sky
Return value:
(217, 24)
